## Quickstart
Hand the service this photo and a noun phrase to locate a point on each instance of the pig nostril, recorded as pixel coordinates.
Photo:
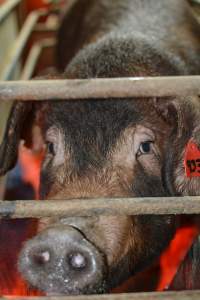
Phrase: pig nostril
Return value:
(41, 258)
(77, 261)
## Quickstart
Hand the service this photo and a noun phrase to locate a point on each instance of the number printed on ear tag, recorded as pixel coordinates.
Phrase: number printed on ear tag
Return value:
(192, 160)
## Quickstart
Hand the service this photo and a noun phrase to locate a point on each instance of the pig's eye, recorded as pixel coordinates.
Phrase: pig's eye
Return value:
(51, 148)
(145, 148)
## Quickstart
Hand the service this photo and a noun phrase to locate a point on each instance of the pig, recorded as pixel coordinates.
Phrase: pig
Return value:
(106, 148)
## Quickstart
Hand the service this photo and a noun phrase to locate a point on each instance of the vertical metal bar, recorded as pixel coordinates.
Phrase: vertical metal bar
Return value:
(19, 44)
(7, 8)
(33, 57)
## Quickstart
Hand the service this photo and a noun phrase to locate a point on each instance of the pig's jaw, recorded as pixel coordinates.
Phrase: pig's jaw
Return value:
(98, 289)
(63, 290)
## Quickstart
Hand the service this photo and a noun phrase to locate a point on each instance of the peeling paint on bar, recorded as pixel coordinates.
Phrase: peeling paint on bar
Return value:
(99, 88)
(101, 206)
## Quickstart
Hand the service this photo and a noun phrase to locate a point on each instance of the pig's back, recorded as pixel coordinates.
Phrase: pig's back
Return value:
(167, 24)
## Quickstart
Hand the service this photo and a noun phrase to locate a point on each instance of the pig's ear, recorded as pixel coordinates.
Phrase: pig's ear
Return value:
(171, 112)
(19, 122)
(168, 110)
(175, 113)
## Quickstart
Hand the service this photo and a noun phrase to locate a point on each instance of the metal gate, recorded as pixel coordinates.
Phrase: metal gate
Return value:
(91, 89)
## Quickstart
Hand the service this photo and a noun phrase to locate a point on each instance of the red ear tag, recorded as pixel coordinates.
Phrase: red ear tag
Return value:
(192, 160)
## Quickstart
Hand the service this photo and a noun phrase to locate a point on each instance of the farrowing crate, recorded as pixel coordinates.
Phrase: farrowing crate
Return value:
(91, 89)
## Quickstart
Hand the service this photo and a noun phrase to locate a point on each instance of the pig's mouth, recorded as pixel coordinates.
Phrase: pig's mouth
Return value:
(61, 261)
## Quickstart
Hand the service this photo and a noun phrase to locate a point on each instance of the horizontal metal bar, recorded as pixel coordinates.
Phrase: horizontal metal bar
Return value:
(34, 55)
(100, 88)
(6, 8)
(19, 44)
(183, 295)
(109, 206)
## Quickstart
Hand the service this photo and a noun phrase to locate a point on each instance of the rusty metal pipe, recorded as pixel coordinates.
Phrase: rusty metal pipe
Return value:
(100, 88)
(101, 206)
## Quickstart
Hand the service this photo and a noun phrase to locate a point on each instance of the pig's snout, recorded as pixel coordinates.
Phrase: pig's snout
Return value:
(61, 261)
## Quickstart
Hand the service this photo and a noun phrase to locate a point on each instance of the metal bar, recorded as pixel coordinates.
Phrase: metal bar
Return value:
(100, 206)
(6, 8)
(183, 295)
(19, 44)
(100, 88)
(33, 57)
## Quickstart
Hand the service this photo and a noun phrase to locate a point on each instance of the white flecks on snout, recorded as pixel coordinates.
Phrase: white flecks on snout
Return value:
(77, 261)
(46, 256)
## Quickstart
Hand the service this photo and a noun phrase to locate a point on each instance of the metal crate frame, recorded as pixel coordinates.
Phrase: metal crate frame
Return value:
(91, 89)
(183, 295)
(100, 88)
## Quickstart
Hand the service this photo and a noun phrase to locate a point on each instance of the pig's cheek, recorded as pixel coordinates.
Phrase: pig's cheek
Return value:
(151, 164)
(113, 236)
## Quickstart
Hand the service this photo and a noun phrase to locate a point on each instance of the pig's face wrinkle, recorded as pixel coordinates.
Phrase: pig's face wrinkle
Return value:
(91, 128)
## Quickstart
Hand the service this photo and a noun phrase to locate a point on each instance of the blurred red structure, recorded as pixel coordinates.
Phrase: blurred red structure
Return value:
(30, 163)
(37, 4)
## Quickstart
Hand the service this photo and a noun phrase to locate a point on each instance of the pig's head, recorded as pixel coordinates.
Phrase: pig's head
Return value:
(97, 148)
